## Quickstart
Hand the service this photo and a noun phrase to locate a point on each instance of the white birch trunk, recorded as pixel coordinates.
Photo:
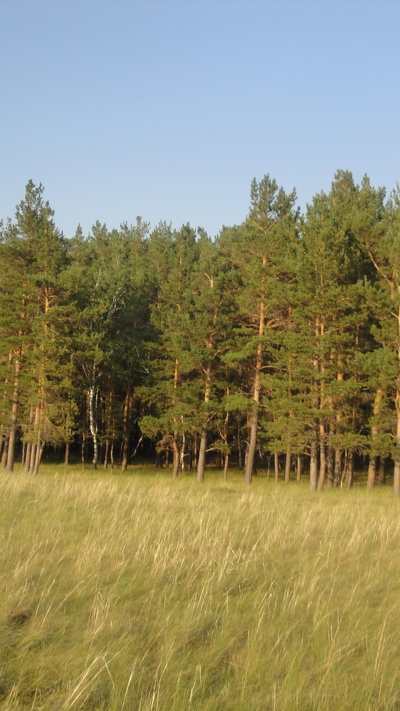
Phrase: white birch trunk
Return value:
(93, 423)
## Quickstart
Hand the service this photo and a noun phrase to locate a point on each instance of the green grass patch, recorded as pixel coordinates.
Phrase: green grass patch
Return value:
(136, 593)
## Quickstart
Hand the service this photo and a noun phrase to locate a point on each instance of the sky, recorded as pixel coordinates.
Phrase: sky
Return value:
(167, 109)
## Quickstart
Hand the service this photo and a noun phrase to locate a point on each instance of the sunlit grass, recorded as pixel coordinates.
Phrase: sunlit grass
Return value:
(138, 592)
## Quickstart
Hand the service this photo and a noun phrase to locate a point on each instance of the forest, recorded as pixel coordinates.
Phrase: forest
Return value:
(274, 345)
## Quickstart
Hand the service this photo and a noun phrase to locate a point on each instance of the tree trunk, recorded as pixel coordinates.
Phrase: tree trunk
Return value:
(338, 466)
(4, 454)
(299, 467)
(329, 465)
(371, 471)
(93, 423)
(313, 466)
(38, 455)
(32, 459)
(183, 451)
(27, 457)
(374, 435)
(349, 468)
(139, 442)
(256, 400)
(240, 453)
(252, 447)
(202, 456)
(125, 437)
(381, 472)
(176, 457)
(66, 456)
(5, 430)
(28, 450)
(288, 461)
(36, 448)
(276, 467)
(322, 456)
(226, 465)
(396, 479)
(83, 446)
(23, 454)
(13, 418)
(195, 452)
(106, 451)
(203, 437)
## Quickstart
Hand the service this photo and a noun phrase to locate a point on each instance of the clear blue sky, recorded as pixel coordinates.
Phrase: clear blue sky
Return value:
(168, 108)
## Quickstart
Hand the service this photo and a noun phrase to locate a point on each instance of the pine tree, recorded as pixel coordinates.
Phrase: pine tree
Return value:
(171, 396)
(381, 242)
(331, 306)
(36, 256)
(212, 323)
(258, 253)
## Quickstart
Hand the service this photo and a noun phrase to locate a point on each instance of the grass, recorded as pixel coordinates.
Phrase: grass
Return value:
(139, 593)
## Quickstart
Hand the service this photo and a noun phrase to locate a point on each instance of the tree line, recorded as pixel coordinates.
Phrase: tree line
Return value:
(274, 345)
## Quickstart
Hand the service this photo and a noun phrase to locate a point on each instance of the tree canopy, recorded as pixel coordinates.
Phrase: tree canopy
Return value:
(276, 340)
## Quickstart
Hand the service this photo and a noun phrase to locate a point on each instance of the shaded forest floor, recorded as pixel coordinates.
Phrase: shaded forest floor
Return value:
(138, 592)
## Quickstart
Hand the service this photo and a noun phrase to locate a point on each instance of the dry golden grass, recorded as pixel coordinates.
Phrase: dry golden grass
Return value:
(142, 593)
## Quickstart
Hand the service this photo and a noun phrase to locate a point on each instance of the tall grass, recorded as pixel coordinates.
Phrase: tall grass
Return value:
(142, 593)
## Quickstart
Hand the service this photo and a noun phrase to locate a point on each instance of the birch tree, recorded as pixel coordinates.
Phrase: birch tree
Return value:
(109, 309)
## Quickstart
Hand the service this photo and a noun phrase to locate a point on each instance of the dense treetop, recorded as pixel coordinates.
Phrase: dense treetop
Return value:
(277, 341)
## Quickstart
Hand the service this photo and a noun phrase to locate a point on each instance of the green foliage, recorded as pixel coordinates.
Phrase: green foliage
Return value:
(282, 334)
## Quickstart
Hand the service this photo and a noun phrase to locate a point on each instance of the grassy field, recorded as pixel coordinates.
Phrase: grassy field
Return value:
(131, 593)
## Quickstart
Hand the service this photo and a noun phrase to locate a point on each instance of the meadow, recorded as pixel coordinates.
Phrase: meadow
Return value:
(140, 593)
